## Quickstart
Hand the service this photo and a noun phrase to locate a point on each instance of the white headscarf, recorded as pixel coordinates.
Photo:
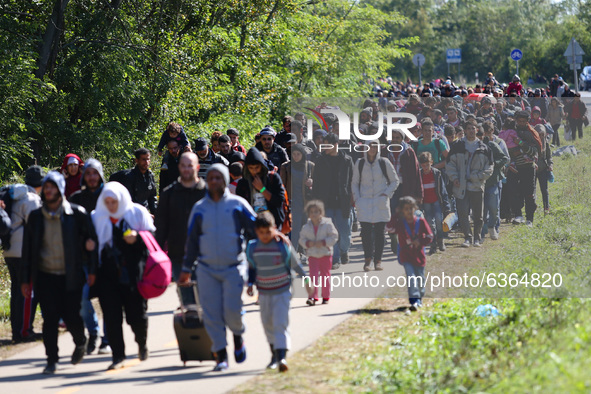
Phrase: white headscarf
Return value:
(135, 215)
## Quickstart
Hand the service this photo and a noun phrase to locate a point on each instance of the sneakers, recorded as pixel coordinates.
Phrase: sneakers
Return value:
(239, 349)
(78, 354)
(466, 244)
(477, 243)
(441, 244)
(366, 267)
(518, 220)
(546, 211)
(117, 364)
(280, 355)
(336, 266)
(325, 301)
(311, 301)
(378, 266)
(529, 223)
(494, 235)
(105, 349)
(345, 258)
(414, 307)
(50, 368)
(303, 259)
(143, 353)
(273, 363)
(221, 358)
(433, 248)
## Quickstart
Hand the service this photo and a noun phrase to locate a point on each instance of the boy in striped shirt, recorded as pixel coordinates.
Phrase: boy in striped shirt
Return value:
(271, 259)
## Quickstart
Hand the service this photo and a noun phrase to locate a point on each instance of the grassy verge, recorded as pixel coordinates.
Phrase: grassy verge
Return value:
(536, 345)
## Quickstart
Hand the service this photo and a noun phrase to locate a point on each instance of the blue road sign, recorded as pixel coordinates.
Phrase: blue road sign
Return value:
(516, 54)
(454, 55)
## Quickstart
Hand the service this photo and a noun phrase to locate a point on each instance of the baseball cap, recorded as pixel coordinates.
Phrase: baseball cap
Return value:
(200, 144)
(267, 131)
(291, 138)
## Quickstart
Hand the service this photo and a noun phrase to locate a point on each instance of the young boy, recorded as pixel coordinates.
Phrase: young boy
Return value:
(435, 200)
(174, 131)
(235, 175)
(271, 259)
(234, 135)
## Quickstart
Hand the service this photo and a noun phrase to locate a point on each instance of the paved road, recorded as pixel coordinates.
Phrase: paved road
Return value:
(164, 371)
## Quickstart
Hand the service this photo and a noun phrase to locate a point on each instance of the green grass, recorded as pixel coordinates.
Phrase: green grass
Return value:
(538, 344)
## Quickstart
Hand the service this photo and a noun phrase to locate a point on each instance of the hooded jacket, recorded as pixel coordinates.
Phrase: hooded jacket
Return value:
(500, 160)
(372, 190)
(76, 230)
(72, 182)
(85, 197)
(24, 200)
(271, 181)
(218, 231)
(286, 169)
(471, 170)
(326, 232)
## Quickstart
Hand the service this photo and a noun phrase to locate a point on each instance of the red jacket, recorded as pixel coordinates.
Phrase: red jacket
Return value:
(515, 86)
(408, 253)
(72, 182)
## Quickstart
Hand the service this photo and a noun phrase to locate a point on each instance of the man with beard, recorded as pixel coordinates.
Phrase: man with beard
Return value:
(275, 153)
(226, 150)
(57, 239)
(207, 157)
(176, 202)
(170, 173)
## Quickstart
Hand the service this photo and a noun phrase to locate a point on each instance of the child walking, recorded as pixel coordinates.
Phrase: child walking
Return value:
(318, 237)
(271, 259)
(413, 235)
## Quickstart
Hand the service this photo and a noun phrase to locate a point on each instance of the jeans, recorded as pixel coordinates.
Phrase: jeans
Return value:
(415, 281)
(474, 200)
(491, 208)
(22, 310)
(299, 218)
(373, 240)
(434, 217)
(343, 226)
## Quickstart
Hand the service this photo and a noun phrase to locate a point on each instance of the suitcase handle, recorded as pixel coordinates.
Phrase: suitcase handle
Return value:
(191, 284)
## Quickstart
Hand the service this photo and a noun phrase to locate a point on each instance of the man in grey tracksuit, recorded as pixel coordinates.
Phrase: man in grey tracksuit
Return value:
(469, 165)
(219, 226)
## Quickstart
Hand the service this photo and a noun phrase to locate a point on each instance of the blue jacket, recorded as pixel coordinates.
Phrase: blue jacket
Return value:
(218, 232)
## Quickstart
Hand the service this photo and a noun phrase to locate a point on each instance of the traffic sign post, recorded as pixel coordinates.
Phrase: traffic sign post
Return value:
(516, 55)
(574, 57)
(454, 55)
(419, 60)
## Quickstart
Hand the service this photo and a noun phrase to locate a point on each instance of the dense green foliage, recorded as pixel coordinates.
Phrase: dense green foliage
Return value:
(102, 77)
(487, 31)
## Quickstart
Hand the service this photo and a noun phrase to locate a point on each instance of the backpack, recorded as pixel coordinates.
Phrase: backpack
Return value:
(121, 176)
(382, 167)
(7, 196)
(158, 272)
(285, 227)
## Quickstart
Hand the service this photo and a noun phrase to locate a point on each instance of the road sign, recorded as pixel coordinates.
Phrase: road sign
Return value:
(454, 55)
(418, 60)
(574, 57)
(578, 50)
(516, 54)
(575, 60)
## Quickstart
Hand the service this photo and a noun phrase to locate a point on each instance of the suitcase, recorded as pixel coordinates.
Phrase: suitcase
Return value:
(194, 343)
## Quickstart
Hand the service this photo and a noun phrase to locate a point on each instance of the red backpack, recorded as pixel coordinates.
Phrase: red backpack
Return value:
(158, 272)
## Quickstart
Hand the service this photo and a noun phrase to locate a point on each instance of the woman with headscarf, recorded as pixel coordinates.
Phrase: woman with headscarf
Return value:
(122, 258)
(297, 178)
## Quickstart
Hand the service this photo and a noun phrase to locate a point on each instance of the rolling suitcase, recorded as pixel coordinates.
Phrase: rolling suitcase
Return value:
(194, 343)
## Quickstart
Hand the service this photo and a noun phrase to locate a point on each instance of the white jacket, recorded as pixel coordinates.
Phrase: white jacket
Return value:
(25, 201)
(327, 232)
(372, 206)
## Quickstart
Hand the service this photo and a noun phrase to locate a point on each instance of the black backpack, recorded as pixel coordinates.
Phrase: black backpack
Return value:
(382, 163)
(121, 176)
(6, 197)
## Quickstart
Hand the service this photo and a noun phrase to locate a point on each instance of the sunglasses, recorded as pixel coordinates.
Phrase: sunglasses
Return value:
(266, 139)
